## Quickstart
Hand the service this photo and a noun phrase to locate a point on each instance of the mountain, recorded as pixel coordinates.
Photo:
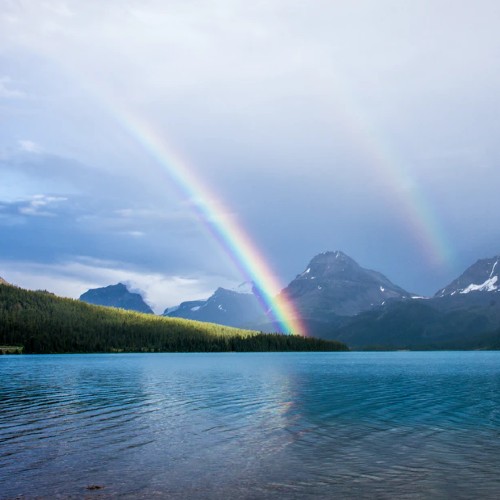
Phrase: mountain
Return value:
(483, 276)
(337, 299)
(332, 287)
(333, 284)
(116, 296)
(3, 282)
(239, 308)
(463, 315)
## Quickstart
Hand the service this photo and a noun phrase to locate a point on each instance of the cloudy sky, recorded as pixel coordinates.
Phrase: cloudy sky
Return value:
(369, 127)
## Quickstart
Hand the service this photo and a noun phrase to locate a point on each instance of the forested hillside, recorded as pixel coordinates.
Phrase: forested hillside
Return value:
(43, 323)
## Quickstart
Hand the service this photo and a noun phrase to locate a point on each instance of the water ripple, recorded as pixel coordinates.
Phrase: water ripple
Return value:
(358, 425)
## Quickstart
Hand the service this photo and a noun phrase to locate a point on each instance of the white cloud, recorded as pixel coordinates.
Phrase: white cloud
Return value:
(7, 91)
(72, 278)
(39, 205)
(297, 100)
(136, 234)
(29, 146)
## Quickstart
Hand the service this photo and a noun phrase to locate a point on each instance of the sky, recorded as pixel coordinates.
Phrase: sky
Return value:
(136, 135)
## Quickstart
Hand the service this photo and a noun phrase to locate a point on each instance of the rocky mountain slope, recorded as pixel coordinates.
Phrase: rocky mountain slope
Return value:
(333, 283)
(463, 315)
(483, 276)
(225, 307)
(340, 300)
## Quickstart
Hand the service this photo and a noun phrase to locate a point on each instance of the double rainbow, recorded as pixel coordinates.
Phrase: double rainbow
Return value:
(416, 209)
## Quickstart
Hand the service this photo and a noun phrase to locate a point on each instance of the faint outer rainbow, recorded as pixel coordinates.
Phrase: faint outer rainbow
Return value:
(403, 188)
(230, 235)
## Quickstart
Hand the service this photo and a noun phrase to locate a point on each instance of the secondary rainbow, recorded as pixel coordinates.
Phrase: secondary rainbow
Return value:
(402, 187)
(407, 193)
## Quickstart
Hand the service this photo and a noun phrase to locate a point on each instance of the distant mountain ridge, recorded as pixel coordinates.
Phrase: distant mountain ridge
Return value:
(225, 307)
(332, 287)
(116, 296)
(463, 315)
(337, 299)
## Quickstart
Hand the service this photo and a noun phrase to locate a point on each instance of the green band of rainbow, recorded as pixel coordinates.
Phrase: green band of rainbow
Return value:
(231, 236)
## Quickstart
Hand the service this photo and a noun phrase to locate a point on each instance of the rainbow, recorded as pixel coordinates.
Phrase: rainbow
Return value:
(414, 207)
(412, 204)
(211, 211)
(224, 228)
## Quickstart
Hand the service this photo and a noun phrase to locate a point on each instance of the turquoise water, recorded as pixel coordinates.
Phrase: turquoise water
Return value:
(270, 425)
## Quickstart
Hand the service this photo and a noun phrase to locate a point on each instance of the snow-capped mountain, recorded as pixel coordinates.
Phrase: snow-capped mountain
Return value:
(333, 283)
(239, 307)
(463, 315)
(116, 296)
(483, 276)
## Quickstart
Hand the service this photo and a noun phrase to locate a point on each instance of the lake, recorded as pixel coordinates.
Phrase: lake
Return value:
(251, 425)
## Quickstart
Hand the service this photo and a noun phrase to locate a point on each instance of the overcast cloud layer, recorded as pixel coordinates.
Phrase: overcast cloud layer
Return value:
(321, 125)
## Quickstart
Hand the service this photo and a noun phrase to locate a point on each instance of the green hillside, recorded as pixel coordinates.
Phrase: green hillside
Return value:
(40, 322)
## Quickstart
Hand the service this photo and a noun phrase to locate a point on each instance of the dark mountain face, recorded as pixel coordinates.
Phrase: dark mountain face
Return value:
(338, 299)
(451, 322)
(463, 315)
(116, 296)
(483, 276)
(225, 307)
(334, 284)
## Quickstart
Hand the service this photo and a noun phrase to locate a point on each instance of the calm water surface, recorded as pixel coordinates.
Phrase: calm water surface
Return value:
(286, 425)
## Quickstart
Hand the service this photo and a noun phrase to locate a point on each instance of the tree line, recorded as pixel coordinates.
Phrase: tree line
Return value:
(41, 322)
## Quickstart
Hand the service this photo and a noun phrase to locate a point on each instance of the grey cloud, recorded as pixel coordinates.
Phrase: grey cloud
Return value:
(308, 120)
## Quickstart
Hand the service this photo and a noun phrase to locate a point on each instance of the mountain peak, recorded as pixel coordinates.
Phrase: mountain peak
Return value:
(225, 307)
(3, 282)
(332, 256)
(119, 286)
(483, 276)
(336, 254)
(334, 283)
(245, 287)
(116, 296)
(330, 263)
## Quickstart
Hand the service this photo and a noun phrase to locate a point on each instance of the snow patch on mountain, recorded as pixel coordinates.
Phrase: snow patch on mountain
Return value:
(169, 310)
(483, 276)
(488, 286)
(493, 269)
